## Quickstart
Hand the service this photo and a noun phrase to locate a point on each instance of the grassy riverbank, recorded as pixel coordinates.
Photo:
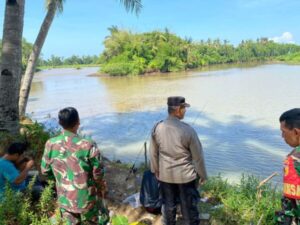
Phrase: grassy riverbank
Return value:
(243, 203)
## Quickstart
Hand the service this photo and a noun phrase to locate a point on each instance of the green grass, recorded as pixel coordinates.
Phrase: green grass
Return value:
(242, 203)
(290, 58)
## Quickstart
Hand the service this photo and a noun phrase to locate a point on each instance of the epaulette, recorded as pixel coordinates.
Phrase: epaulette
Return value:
(154, 128)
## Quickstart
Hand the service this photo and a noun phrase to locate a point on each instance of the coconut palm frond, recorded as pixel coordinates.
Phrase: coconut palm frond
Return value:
(132, 5)
(59, 4)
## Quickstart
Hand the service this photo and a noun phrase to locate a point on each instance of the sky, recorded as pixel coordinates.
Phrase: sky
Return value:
(82, 27)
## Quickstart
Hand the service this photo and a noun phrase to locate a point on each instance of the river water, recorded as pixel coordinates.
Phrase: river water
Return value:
(234, 110)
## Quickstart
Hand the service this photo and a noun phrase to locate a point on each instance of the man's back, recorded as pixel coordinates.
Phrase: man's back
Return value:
(176, 160)
(178, 146)
(75, 164)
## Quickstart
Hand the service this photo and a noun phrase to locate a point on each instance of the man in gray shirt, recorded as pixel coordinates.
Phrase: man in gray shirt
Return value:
(177, 161)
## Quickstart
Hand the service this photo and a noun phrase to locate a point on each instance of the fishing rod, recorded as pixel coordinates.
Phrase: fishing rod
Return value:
(133, 169)
(199, 113)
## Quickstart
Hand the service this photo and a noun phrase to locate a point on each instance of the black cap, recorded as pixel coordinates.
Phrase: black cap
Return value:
(177, 101)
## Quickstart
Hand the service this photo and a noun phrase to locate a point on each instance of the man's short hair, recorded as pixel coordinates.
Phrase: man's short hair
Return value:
(172, 109)
(291, 118)
(17, 148)
(68, 117)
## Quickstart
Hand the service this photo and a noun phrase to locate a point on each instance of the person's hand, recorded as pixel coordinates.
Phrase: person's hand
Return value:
(157, 175)
(201, 181)
(29, 164)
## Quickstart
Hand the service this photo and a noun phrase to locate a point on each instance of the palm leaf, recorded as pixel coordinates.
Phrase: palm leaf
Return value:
(132, 5)
(59, 4)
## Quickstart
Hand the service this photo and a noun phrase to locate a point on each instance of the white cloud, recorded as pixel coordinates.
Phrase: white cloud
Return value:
(286, 37)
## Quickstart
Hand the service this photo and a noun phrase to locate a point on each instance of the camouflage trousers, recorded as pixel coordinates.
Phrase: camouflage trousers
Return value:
(290, 212)
(94, 216)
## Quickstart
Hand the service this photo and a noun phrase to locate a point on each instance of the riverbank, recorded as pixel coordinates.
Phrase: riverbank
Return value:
(75, 66)
(222, 203)
(221, 66)
(214, 67)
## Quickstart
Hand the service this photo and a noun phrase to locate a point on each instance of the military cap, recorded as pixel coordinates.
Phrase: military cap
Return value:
(177, 101)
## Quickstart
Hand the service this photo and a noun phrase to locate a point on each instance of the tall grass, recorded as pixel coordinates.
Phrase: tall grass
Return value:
(242, 203)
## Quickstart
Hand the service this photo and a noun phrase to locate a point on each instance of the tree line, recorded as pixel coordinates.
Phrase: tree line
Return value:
(73, 60)
(162, 51)
(53, 60)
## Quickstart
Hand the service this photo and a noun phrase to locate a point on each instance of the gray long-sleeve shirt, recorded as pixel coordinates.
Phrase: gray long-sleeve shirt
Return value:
(176, 152)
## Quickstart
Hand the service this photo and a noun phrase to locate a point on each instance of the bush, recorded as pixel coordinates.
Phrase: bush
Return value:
(117, 69)
(17, 208)
(37, 135)
(243, 203)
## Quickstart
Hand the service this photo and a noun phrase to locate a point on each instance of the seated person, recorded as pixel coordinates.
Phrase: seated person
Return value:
(8, 171)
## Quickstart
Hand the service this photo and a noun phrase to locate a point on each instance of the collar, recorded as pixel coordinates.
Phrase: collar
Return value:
(170, 117)
(68, 133)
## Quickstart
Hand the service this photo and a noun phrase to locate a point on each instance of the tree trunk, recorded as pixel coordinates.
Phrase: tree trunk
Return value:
(11, 71)
(33, 58)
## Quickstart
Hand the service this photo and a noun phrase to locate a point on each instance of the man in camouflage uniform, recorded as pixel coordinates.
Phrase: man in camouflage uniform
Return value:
(75, 163)
(290, 128)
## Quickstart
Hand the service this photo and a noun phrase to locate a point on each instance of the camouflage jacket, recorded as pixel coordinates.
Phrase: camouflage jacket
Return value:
(75, 163)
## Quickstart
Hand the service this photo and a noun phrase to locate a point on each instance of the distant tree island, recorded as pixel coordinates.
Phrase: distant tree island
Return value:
(128, 53)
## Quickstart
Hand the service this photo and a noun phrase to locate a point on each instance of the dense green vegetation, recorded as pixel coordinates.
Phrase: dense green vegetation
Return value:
(129, 53)
(243, 203)
(27, 211)
(291, 58)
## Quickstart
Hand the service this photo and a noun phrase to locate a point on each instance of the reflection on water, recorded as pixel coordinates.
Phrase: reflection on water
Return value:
(235, 111)
(37, 87)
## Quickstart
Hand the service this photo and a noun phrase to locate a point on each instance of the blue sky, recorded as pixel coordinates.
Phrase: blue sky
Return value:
(82, 27)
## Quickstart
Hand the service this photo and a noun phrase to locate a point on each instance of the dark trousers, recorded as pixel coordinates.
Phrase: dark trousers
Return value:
(188, 197)
(290, 212)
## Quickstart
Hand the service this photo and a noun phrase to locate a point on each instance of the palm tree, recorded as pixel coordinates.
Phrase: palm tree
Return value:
(11, 64)
(52, 7)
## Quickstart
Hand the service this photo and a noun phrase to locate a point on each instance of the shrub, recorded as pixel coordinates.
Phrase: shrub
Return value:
(17, 208)
(117, 69)
(37, 135)
(242, 203)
